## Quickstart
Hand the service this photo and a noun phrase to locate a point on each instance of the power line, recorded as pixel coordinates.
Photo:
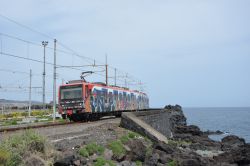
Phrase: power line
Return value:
(47, 36)
(25, 26)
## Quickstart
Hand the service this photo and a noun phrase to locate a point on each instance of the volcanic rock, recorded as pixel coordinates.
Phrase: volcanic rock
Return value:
(231, 141)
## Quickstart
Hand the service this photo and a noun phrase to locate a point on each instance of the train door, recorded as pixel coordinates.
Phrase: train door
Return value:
(87, 98)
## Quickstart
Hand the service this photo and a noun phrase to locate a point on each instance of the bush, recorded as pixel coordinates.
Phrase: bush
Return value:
(94, 148)
(13, 149)
(138, 163)
(4, 156)
(83, 152)
(1, 116)
(117, 148)
(24, 114)
(10, 122)
(100, 161)
(90, 149)
(124, 139)
(133, 135)
(172, 163)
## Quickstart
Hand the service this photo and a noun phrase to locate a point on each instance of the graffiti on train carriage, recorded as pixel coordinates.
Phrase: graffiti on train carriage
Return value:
(105, 100)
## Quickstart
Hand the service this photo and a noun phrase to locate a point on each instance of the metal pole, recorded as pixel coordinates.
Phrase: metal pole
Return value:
(1, 43)
(30, 93)
(126, 80)
(106, 70)
(44, 43)
(115, 76)
(54, 83)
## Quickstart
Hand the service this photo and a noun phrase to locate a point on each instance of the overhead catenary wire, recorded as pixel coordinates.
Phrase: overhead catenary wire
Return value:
(72, 52)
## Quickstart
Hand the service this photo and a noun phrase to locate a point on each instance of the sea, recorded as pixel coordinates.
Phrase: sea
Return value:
(232, 120)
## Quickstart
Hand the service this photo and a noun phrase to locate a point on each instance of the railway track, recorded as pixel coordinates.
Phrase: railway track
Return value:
(51, 124)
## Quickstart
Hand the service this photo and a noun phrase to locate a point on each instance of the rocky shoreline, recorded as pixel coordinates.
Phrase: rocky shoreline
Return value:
(188, 146)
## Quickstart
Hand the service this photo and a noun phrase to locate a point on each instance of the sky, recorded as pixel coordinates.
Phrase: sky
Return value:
(193, 53)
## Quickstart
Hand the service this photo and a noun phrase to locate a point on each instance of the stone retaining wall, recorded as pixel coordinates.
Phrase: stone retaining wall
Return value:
(155, 124)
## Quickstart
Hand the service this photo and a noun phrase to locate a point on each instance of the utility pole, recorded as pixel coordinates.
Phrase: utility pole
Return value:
(44, 43)
(126, 80)
(1, 43)
(30, 93)
(54, 83)
(115, 76)
(106, 65)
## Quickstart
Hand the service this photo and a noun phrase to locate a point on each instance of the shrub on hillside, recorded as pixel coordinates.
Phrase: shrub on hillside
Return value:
(16, 148)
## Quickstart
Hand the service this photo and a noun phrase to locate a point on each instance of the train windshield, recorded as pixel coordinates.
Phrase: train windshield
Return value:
(71, 92)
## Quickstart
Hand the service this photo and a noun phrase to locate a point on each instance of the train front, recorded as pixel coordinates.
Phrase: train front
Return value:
(71, 100)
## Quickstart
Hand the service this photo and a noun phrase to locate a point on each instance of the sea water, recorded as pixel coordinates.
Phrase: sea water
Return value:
(234, 120)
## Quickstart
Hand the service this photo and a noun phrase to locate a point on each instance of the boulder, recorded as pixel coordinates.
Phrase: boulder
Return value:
(209, 132)
(138, 150)
(164, 147)
(34, 161)
(77, 163)
(125, 163)
(239, 155)
(164, 158)
(231, 141)
(190, 162)
(65, 161)
(191, 129)
(108, 154)
(152, 160)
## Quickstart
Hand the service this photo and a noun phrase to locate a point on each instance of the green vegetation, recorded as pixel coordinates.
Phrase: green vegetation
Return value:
(15, 148)
(138, 163)
(4, 156)
(178, 143)
(117, 148)
(100, 161)
(90, 149)
(10, 122)
(37, 113)
(133, 135)
(83, 152)
(124, 139)
(172, 163)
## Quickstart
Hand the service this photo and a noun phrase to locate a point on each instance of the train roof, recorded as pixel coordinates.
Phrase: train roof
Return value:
(101, 84)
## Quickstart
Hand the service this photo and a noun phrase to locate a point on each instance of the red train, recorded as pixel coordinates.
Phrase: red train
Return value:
(80, 100)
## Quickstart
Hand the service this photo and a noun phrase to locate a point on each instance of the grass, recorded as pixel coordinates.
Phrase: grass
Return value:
(10, 122)
(14, 149)
(178, 143)
(100, 161)
(83, 152)
(90, 149)
(4, 156)
(133, 135)
(172, 163)
(138, 163)
(117, 148)
(124, 139)
(17, 114)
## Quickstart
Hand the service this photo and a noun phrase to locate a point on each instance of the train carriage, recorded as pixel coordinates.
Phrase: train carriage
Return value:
(80, 100)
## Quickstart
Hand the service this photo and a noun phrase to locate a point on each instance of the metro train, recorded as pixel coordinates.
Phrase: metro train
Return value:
(82, 101)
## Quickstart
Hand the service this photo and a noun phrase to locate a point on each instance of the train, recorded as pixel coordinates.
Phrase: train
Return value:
(83, 101)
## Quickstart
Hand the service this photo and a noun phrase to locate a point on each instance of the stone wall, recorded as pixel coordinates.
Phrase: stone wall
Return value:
(158, 119)
(155, 124)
